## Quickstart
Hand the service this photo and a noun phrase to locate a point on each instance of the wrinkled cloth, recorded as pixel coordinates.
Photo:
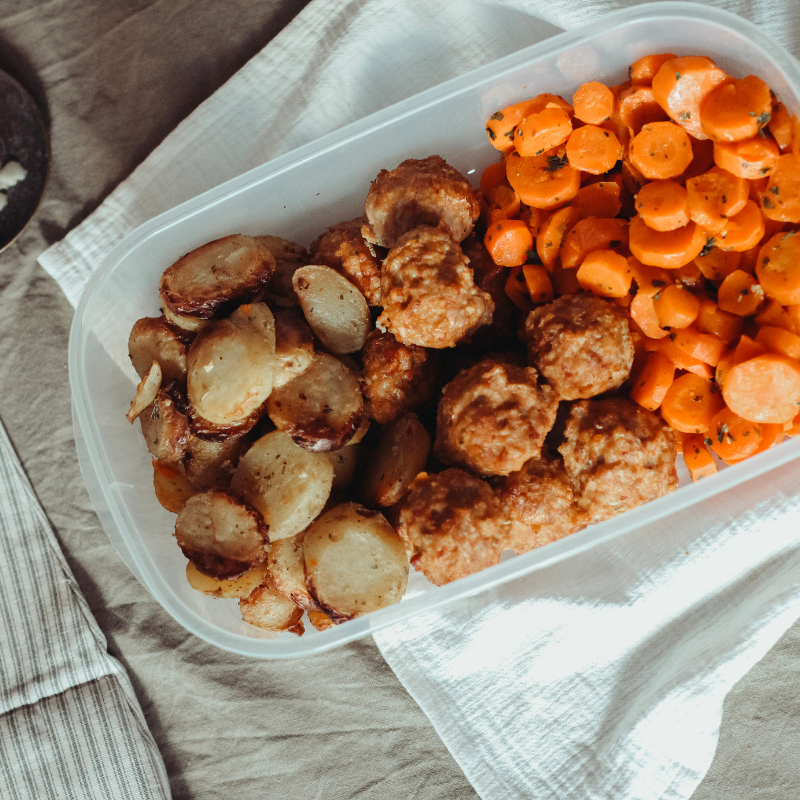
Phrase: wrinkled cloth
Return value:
(568, 682)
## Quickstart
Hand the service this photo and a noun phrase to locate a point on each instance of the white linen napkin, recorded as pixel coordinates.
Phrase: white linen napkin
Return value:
(599, 677)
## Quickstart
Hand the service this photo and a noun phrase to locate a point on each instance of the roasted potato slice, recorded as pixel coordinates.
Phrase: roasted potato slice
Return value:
(232, 365)
(355, 562)
(156, 339)
(209, 464)
(401, 455)
(322, 408)
(165, 429)
(221, 534)
(237, 587)
(267, 609)
(216, 277)
(336, 311)
(146, 392)
(172, 488)
(344, 465)
(289, 257)
(286, 483)
(287, 571)
(294, 345)
(188, 324)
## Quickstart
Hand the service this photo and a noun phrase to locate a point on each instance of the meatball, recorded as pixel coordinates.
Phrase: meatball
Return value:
(539, 502)
(493, 417)
(396, 377)
(343, 248)
(452, 525)
(425, 192)
(618, 455)
(429, 296)
(581, 343)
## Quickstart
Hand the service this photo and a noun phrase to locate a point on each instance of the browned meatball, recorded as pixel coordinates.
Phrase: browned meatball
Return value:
(540, 504)
(619, 455)
(396, 377)
(493, 417)
(419, 192)
(452, 525)
(581, 343)
(343, 248)
(429, 297)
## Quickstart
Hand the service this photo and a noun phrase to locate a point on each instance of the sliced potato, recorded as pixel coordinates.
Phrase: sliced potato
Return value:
(221, 534)
(267, 609)
(209, 464)
(172, 488)
(287, 571)
(355, 562)
(165, 429)
(322, 408)
(217, 276)
(146, 392)
(189, 324)
(232, 365)
(286, 483)
(336, 311)
(289, 257)
(294, 345)
(155, 339)
(344, 465)
(283, 249)
(238, 587)
(401, 455)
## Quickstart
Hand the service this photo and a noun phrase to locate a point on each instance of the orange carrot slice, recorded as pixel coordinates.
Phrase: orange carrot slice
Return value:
(542, 131)
(743, 231)
(780, 126)
(537, 279)
(751, 158)
(661, 150)
(601, 199)
(592, 234)
(705, 347)
(779, 340)
(699, 460)
(676, 307)
(593, 149)
(740, 294)
(680, 358)
(605, 273)
(552, 233)
(517, 290)
(774, 315)
(733, 438)
(690, 404)
(714, 196)
(508, 242)
(669, 249)
(638, 107)
(764, 389)
(653, 381)
(649, 280)
(501, 125)
(778, 268)
(545, 181)
(712, 319)
(736, 110)
(493, 176)
(593, 103)
(643, 313)
(781, 199)
(663, 205)
(716, 264)
(644, 69)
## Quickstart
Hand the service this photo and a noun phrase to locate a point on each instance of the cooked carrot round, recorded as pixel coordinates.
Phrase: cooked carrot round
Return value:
(703, 158)
(516, 289)
(743, 231)
(653, 381)
(733, 438)
(714, 196)
(774, 315)
(501, 125)
(493, 176)
(751, 158)
(781, 199)
(663, 205)
(637, 107)
(703, 346)
(644, 69)
(593, 103)
(508, 242)
(691, 403)
(551, 234)
(599, 199)
(736, 110)
(643, 313)
(764, 389)
(778, 268)
(712, 319)
(779, 340)
(676, 307)
(593, 149)
(740, 294)
(716, 264)
(669, 249)
(649, 280)
(747, 348)
(545, 181)
(699, 460)
(661, 150)
(680, 358)
(780, 126)
(537, 279)
(605, 273)
(542, 131)
(592, 234)
(505, 200)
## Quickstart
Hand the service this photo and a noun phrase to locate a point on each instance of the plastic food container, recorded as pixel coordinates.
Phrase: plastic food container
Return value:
(298, 196)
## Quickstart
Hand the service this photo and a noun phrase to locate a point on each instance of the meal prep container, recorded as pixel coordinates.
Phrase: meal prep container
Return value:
(297, 196)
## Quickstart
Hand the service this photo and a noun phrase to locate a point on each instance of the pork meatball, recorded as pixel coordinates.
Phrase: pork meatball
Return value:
(581, 343)
(539, 502)
(396, 377)
(493, 417)
(429, 296)
(452, 525)
(618, 455)
(342, 247)
(419, 192)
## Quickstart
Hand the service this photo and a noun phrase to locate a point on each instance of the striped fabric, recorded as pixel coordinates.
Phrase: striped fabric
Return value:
(70, 724)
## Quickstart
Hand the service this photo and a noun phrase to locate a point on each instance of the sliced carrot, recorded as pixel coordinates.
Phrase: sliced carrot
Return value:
(545, 181)
(736, 110)
(517, 290)
(493, 176)
(779, 340)
(644, 69)
(780, 126)
(691, 403)
(747, 348)
(534, 218)
(740, 294)
(680, 438)
(743, 231)
(593, 149)
(508, 242)
(663, 205)
(703, 158)
(680, 358)
(771, 435)
(542, 131)
(676, 307)
(505, 199)
(593, 103)
(653, 381)
(724, 365)
(591, 234)
(781, 200)
(794, 315)
(537, 279)
(495, 214)
(552, 233)
(565, 281)
(605, 273)
(778, 268)
(669, 249)
(714, 196)
(637, 107)
(751, 158)
(792, 428)
(757, 188)
(774, 315)
(681, 85)
(699, 460)
(733, 438)
(705, 347)
(501, 125)
(690, 277)
(716, 264)
(795, 136)
(661, 150)
(643, 314)
(599, 199)
(649, 280)
(748, 258)
(764, 389)
(712, 319)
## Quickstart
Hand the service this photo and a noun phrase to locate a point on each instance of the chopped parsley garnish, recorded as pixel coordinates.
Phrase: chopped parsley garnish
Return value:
(555, 163)
(710, 242)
